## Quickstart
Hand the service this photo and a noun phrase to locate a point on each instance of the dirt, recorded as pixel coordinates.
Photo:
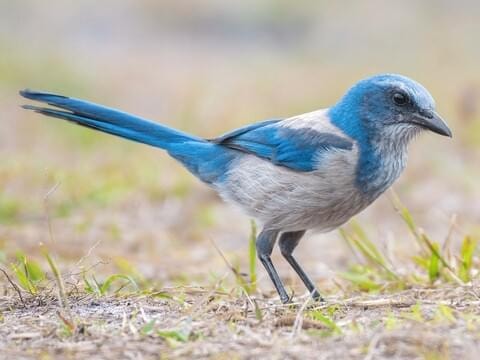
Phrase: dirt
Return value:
(213, 324)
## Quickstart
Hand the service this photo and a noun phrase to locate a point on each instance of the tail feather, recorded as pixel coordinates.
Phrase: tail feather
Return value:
(204, 159)
(108, 120)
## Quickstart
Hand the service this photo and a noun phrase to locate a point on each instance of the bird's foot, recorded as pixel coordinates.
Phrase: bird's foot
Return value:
(286, 299)
(316, 296)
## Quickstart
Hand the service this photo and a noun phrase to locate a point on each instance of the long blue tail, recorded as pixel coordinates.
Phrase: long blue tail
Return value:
(204, 159)
(107, 120)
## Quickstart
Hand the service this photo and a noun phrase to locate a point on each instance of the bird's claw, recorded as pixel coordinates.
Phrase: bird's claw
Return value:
(316, 296)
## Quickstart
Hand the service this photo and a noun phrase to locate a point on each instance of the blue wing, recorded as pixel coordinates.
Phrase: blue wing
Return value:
(296, 148)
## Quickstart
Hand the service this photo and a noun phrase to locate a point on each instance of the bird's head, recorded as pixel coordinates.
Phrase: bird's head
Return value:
(388, 105)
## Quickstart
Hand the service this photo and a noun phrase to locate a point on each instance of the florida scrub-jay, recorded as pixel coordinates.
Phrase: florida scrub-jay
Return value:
(311, 171)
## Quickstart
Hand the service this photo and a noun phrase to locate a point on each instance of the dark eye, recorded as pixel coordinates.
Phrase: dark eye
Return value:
(400, 98)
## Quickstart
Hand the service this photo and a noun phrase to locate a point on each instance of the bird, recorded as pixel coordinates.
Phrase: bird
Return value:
(312, 171)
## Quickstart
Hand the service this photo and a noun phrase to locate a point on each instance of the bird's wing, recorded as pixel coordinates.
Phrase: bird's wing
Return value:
(298, 148)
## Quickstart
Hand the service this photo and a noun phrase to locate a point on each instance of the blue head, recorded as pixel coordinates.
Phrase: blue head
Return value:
(387, 105)
(383, 113)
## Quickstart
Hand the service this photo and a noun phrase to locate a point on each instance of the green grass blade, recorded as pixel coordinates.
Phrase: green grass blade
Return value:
(444, 313)
(107, 284)
(23, 279)
(434, 264)
(252, 257)
(404, 212)
(325, 320)
(367, 249)
(148, 328)
(176, 335)
(87, 286)
(366, 242)
(363, 282)
(435, 250)
(467, 251)
(58, 278)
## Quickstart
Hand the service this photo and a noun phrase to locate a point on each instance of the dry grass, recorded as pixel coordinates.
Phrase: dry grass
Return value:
(208, 323)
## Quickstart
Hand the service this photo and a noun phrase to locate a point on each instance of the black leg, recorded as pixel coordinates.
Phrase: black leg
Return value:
(265, 241)
(288, 242)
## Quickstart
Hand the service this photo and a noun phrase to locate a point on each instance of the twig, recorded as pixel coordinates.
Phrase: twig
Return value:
(47, 214)
(235, 272)
(89, 252)
(297, 326)
(381, 302)
(56, 273)
(448, 238)
(229, 265)
(68, 323)
(98, 263)
(15, 286)
(205, 298)
(289, 320)
(396, 302)
(372, 346)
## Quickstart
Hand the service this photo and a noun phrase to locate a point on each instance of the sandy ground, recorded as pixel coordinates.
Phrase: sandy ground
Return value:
(210, 323)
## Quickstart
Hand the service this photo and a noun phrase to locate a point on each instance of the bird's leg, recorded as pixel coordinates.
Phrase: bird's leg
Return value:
(265, 241)
(288, 241)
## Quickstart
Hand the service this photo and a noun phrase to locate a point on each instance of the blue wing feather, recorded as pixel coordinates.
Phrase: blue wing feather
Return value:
(244, 129)
(297, 149)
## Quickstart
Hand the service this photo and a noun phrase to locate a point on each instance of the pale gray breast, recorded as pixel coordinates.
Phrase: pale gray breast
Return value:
(290, 200)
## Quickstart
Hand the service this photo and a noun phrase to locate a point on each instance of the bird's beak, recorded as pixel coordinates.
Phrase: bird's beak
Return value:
(432, 121)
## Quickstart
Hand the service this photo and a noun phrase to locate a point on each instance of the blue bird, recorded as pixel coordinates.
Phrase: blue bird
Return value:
(311, 171)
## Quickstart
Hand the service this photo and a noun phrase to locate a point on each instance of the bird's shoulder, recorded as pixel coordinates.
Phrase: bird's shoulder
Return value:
(297, 142)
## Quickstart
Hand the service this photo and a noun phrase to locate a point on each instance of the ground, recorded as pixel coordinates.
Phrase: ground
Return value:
(213, 324)
(110, 249)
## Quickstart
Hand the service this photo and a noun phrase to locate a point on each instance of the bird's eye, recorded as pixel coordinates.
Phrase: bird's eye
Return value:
(400, 98)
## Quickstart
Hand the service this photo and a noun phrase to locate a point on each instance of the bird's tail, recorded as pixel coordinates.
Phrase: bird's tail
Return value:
(108, 120)
(195, 153)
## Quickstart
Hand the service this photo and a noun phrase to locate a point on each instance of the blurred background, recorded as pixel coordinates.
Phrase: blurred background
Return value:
(207, 67)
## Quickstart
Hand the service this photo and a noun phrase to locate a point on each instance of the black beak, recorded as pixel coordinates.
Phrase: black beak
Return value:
(430, 120)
